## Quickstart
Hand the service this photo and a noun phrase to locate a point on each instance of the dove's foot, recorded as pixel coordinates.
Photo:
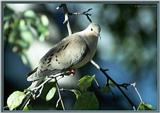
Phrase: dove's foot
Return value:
(71, 72)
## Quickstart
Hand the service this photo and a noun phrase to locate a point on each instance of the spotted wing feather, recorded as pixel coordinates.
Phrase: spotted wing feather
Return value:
(69, 52)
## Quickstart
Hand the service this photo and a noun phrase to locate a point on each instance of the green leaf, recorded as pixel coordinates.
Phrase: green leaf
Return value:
(46, 89)
(85, 82)
(41, 37)
(76, 92)
(22, 25)
(144, 106)
(24, 59)
(86, 101)
(30, 14)
(15, 99)
(44, 20)
(21, 43)
(27, 36)
(25, 108)
(42, 29)
(12, 37)
(51, 94)
(6, 25)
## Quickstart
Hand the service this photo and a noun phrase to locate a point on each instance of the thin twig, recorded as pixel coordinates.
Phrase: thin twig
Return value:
(25, 101)
(5, 108)
(68, 13)
(63, 89)
(59, 94)
(134, 86)
(117, 85)
(42, 84)
(134, 108)
(86, 13)
(66, 18)
(96, 83)
(47, 80)
(34, 90)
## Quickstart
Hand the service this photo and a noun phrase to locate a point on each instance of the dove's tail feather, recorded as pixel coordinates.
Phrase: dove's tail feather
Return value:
(32, 71)
(33, 76)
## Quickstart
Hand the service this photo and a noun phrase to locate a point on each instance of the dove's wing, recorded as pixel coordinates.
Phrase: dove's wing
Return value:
(69, 52)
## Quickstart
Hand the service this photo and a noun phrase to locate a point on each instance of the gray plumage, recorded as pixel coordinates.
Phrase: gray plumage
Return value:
(72, 52)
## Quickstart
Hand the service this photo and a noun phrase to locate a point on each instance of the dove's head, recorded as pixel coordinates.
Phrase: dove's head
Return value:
(94, 29)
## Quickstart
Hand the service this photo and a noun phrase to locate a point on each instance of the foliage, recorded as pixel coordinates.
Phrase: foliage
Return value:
(20, 30)
(50, 94)
(86, 101)
(15, 99)
(85, 82)
(144, 106)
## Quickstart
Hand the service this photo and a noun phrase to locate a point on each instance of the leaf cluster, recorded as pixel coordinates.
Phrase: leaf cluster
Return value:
(21, 29)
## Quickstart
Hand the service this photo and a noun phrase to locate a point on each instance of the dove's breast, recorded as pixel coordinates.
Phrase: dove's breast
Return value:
(90, 50)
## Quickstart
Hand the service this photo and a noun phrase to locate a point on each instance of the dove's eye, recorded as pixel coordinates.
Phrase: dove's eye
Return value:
(91, 29)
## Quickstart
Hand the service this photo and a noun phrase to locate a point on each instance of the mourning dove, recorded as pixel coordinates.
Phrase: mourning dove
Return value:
(72, 52)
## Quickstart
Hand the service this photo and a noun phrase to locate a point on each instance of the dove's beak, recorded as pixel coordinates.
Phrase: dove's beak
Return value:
(98, 35)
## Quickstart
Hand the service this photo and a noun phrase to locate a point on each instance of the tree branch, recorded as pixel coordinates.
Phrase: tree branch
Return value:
(116, 84)
(86, 13)
(67, 13)
(134, 86)
(25, 101)
(31, 93)
(66, 18)
(59, 94)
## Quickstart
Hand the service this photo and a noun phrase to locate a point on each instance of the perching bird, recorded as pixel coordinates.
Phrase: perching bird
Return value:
(72, 52)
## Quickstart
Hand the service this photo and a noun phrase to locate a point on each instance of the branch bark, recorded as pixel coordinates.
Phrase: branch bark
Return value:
(109, 78)
(33, 91)
(60, 96)
(67, 13)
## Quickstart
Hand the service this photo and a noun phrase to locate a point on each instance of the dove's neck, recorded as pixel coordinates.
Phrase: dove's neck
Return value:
(90, 39)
